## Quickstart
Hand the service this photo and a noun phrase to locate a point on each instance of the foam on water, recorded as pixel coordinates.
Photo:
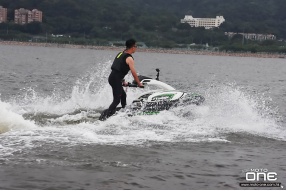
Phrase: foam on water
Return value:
(89, 91)
(227, 109)
(234, 110)
(10, 120)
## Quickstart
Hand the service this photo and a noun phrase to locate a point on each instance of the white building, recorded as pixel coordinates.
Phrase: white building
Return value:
(252, 36)
(208, 23)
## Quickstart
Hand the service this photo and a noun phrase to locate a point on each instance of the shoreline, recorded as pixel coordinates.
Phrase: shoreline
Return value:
(149, 50)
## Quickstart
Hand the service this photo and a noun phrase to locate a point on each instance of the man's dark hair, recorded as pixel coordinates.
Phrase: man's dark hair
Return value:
(130, 43)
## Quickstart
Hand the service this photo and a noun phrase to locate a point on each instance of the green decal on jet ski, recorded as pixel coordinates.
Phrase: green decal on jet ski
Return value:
(163, 97)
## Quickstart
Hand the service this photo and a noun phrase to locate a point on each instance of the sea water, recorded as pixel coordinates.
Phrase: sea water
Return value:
(51, 138)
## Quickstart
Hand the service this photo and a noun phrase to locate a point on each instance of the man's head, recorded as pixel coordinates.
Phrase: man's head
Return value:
(130, 43)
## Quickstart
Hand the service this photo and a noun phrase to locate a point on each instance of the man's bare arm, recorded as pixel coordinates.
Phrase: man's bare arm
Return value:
(130, 63)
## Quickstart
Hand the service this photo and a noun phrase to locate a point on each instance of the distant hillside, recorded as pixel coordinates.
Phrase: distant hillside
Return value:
(151, 21)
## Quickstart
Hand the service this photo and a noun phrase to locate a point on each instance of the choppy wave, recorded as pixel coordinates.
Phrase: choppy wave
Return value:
(10, 120)
(73, 118)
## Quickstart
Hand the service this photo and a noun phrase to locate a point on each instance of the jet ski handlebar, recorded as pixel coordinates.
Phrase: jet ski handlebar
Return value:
(134, 85)
(147, 80)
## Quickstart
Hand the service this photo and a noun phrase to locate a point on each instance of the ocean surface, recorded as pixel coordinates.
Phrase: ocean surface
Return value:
(51, 138)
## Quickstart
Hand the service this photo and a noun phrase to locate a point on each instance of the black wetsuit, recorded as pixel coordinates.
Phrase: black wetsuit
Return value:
(119, 70)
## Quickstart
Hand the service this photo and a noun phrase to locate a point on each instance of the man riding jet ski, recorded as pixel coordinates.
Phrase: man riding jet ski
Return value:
(154, 101)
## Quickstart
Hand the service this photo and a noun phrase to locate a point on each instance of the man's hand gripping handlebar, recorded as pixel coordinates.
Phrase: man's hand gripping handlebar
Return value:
(128, 84)
(134, 85)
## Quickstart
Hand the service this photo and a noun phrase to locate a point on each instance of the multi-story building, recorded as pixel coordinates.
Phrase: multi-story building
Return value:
(3, 14)
(37, 15)
(208, 23)
(24, 16)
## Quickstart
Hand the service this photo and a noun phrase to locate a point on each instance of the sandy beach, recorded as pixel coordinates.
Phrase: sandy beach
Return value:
(155, 50)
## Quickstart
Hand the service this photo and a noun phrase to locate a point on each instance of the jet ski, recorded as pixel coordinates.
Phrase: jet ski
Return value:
(164, 97)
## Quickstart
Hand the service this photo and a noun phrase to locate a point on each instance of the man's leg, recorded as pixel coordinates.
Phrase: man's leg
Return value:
(116, 99)
(123, 98)
(112, 108)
